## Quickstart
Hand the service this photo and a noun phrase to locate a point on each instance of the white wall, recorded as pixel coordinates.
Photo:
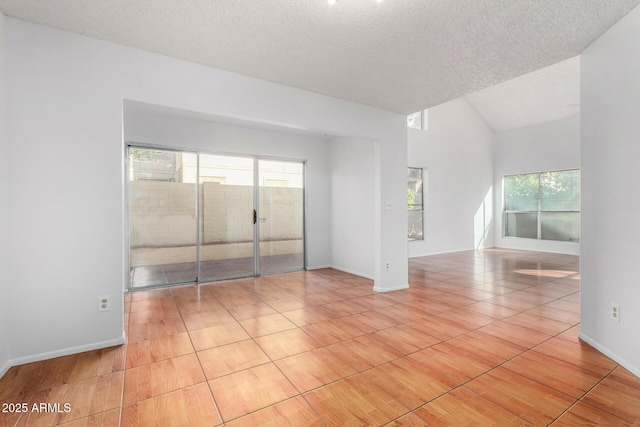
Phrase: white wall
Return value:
(169, 130)
(352, 201)
(457, 152)
(65, 96)
(610, 128)
(548, 146)
(4, 217)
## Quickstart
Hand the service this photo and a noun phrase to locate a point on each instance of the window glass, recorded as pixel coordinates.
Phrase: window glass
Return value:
(563, 226)
(415, 203)
(521, 224)
(414, 120)
(543, 205)
(560, 191)
(521, 192)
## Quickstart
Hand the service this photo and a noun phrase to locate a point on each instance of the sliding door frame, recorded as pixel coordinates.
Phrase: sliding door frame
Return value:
(127, 203)
(256, 205)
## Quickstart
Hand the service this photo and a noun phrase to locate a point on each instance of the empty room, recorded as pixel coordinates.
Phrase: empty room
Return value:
(351, 212)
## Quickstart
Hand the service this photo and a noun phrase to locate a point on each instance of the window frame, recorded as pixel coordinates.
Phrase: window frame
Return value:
(411, 210)
(424, 120)
(539, 211)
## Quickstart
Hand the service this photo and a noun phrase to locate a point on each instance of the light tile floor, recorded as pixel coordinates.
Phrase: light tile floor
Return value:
(480, 338)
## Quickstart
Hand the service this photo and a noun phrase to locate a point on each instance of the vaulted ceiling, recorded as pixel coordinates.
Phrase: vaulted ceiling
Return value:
(398, 55)
(550, 93)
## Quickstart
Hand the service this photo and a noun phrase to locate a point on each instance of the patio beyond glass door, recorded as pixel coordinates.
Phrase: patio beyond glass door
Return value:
(226, 212)
(162, 217)
(199, 217)
(280, 216)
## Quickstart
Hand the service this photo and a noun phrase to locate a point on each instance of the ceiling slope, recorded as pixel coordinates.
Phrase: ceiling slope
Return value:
(550, 93)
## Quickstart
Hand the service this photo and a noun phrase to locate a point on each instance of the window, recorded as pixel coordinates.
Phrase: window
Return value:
(415, 204)
(418, 120)
(414, 120)
(543, 205)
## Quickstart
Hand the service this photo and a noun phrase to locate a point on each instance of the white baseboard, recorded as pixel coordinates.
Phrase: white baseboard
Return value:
(66, 351)
(366, 276)
(395, 288)
(451, 251)
(4, 368)
(355, 273)
(318, 267)
(611, 355)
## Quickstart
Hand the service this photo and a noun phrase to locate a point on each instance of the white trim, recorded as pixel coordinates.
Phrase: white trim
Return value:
(67, 351)
(446, 252)
(395, 288)
(318, 267)
(355, 273)
(622, 362)
(509, 248)
(4, 368)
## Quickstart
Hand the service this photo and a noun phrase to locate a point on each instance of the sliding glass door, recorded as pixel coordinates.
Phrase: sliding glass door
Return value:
(162, 217)
(227, 225)
(281, 219)
(200, 217)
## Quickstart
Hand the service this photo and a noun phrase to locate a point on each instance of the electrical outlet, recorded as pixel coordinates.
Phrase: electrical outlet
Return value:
(615, 312)
(104, 303)
(387, 266)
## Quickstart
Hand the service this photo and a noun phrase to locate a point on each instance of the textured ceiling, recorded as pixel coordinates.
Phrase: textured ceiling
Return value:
(550, 93)
(398, 55)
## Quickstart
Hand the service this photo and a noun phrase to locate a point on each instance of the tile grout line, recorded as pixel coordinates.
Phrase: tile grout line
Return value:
(518, 355)
(406, 320)
(299, 394)
(324, 346)
(360, 372)
(252, 338)
(505, 361)
(215, 404)
(124, 371)
(587, 392)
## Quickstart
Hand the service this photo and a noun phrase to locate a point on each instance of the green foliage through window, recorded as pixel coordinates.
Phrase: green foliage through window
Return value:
(543, 205)
(415, 203)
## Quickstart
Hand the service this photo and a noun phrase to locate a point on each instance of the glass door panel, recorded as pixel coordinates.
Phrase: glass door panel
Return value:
(162, 217)
(280, 216)
(226, 227)
(198, 217)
